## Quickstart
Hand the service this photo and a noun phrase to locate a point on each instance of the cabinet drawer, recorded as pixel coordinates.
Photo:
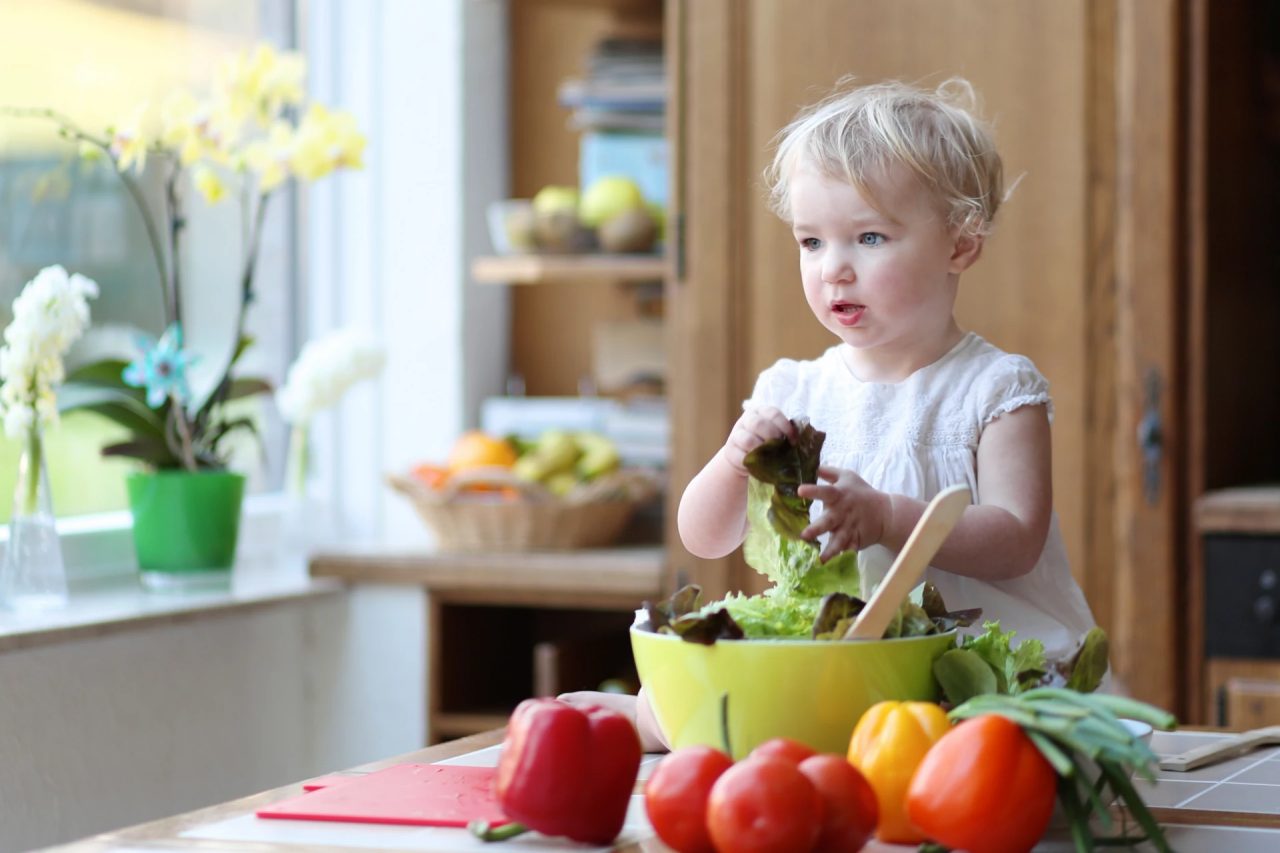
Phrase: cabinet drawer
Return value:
(1249, 703)
(1242, 596)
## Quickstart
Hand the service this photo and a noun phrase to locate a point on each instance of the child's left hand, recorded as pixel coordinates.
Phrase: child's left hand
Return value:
(855, 514)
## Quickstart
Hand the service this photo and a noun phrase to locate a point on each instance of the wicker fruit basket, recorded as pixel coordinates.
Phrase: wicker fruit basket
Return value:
(511, 514)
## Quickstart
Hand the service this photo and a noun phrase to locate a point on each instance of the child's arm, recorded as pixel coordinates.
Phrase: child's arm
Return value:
(712, 518)
(1001, 537)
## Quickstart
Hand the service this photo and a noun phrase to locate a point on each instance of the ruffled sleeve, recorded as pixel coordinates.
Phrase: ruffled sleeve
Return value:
(1010, 383)
(774, 386)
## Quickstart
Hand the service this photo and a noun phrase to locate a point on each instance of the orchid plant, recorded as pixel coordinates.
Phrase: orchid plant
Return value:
(251, 134)
(50, 313)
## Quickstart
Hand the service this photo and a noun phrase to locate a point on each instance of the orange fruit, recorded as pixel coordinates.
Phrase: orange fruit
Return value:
(431, 476)
(476, 449)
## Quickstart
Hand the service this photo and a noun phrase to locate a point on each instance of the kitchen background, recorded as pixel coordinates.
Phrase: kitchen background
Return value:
(1135, 264)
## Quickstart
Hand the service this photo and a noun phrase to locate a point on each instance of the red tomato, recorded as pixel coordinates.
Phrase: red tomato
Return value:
(983, 787)
(784, 748)
(764, 805)
(850, 811)
(675, 797)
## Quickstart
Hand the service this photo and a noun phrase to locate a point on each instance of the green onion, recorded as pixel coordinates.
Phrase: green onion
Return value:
(1073, 731)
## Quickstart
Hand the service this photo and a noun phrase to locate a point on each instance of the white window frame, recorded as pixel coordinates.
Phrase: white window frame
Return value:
(428, 83)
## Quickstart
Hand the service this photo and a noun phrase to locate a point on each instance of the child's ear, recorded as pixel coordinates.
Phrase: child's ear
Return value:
(967, 249)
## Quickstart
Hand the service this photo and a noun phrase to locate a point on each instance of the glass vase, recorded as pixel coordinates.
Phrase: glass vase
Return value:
(33, 576)
(295, 533)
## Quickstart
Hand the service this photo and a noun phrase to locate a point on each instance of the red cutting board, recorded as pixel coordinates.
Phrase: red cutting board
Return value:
(406, 794)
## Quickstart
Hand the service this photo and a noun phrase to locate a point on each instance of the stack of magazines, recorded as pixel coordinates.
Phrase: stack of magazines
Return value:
(624, 87)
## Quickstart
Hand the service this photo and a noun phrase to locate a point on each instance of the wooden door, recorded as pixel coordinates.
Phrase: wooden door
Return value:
(1051, 284)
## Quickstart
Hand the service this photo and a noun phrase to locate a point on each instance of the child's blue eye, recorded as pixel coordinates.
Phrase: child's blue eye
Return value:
(810, 243)
(871, 238)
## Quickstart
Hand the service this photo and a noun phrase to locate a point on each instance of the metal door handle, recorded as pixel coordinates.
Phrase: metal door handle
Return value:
(1151, 437)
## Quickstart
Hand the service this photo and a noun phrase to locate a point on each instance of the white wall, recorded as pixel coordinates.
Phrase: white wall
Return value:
(106, 732)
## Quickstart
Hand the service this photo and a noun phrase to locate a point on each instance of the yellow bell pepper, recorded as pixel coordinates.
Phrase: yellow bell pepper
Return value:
(888, 744)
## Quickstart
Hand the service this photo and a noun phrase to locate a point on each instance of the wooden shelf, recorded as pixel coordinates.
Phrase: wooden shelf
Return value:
(532, 269)
(1251, 509)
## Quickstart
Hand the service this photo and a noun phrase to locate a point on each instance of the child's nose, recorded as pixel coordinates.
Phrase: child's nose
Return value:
(837, 268)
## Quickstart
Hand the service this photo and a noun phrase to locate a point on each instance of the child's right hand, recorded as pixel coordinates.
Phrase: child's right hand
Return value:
(754, 428)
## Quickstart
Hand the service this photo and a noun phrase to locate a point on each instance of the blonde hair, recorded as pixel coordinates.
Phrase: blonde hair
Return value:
(855, 133)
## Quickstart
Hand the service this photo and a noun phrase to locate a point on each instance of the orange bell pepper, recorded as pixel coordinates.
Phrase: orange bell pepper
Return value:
(888, 743)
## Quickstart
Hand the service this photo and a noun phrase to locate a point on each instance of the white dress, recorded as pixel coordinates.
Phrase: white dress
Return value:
(919, 436)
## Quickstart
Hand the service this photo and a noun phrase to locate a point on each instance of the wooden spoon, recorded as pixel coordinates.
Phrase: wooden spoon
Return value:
(940, 516)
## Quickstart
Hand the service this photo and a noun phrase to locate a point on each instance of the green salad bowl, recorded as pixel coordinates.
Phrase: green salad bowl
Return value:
(754, 690)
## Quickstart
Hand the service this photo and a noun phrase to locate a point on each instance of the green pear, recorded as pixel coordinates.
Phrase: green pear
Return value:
(555, 451)
(561, 483)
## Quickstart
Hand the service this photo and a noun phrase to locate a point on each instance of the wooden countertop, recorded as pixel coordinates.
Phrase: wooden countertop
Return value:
(605, 577)
(1200, 810)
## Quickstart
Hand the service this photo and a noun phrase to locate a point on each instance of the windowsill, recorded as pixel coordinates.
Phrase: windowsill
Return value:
(102, 606)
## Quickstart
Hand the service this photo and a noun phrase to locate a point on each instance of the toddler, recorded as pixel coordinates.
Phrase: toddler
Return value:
(890, 192)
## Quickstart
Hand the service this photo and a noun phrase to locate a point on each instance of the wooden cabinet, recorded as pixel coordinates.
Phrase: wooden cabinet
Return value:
(1237, 657)
(552, 324)
(503, 627)
(1082, 274)
(1243, 695)
(1232, 315)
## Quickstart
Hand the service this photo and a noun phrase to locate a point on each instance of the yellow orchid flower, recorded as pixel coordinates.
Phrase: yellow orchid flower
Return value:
(130, 140)
(327, 141)
(233, 84)
(179, 126)
(271, 158)
(282, 83)
(258, 84)
(209, 184)
(197, 129)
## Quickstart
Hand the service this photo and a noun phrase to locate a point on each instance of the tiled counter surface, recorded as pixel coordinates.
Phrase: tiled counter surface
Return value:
(1198, 809)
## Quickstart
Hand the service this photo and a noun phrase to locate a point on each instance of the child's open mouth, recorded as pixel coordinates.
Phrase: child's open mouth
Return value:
(847, 313)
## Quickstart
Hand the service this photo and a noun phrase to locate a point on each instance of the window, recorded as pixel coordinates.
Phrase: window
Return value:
(94, 62)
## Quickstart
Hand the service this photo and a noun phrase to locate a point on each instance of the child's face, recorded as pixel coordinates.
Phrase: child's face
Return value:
(883, 281)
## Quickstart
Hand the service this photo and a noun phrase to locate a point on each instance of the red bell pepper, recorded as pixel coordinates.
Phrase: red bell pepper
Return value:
(566, 770)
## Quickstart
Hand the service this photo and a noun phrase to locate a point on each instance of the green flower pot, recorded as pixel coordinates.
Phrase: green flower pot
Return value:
(185, 526)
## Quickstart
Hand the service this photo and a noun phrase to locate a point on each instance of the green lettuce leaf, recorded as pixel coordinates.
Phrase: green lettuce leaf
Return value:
(786, 466)
(769, 614)
(794, 565)
(1085, 670)
(1014, 667)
